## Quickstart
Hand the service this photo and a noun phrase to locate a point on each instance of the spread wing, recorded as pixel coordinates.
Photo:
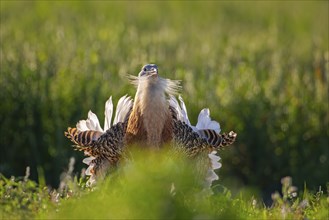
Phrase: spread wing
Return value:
(83, 140)
(97, 144)
(194, 141)
(200, 142)
(103, 148)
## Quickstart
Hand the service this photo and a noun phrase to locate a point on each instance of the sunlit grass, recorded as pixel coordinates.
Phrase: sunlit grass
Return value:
(152, 185)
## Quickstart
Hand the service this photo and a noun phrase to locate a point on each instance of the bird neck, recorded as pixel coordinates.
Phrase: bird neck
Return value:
(150, 96)
(152, 108)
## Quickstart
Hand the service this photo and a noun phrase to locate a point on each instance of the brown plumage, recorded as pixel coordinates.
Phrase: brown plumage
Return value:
(151, 122)
(192, 143)
(82, 138)
(108, 145)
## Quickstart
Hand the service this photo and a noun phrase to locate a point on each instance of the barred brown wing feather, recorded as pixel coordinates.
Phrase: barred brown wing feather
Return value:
(217, 141)
(229, 138)
(95, 143)
(86, 138)
(188, 140)
(212, 138)
(82, 138)
(71, 133)
(110, 145)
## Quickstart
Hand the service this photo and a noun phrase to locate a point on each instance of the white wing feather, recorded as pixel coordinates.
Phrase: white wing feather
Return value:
(174, 103)
(108, 113)
(184, 111)
(123, 107)
(82, 125)
(205, 122)
(92, 122)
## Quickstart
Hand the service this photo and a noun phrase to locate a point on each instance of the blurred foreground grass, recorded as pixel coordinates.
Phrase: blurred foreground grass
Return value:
(153, 185)
(261, 68)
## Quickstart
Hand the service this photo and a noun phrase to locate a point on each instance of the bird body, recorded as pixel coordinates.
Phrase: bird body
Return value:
(153, 119)
(150, 122)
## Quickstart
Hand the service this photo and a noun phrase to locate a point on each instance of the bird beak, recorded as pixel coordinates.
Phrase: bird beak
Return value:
(153, 72)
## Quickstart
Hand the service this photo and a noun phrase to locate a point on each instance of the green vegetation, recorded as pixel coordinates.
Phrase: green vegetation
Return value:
(141, 191)
(261, 68)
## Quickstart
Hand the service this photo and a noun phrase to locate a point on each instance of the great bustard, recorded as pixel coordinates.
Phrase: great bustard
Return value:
(153, 119)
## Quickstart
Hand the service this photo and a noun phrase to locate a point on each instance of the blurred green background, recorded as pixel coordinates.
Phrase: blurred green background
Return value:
(261, 67)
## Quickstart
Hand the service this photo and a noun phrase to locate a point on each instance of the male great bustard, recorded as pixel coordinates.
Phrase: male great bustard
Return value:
(151, 121)
(154, 119)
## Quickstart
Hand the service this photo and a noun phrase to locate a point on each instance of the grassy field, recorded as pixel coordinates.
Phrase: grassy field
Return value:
(262, 68)
(141, 191)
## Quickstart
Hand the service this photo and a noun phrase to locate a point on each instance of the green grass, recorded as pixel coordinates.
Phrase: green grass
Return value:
(142, 189)
(260, 67)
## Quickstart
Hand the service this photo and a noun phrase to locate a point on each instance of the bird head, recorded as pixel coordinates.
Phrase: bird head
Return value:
(149, 70)
(148, 78)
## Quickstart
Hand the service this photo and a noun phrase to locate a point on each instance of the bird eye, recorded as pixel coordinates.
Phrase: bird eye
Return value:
(144, 69)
